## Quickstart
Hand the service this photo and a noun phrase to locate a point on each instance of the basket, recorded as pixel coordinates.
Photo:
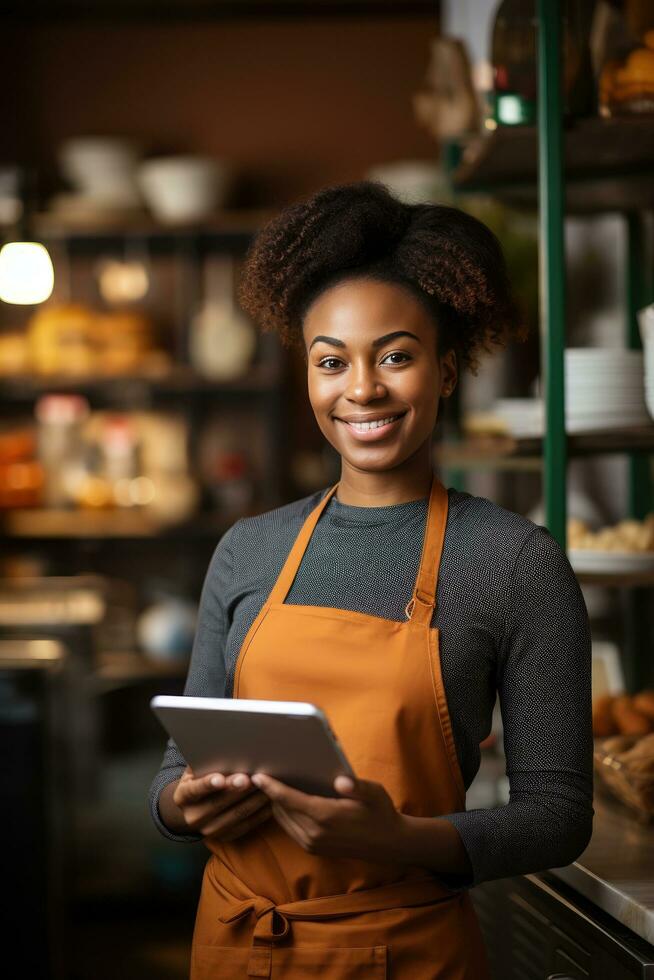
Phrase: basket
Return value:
(625, 765)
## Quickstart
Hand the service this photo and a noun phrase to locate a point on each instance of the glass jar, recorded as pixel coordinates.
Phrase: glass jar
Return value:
(626, 83)
(514, 56)
(60, 421)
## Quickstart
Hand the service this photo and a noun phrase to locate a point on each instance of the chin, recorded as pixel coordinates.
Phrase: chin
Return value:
(368, 464)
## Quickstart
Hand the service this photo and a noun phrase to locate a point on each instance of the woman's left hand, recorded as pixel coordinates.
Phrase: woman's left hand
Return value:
(363, 823)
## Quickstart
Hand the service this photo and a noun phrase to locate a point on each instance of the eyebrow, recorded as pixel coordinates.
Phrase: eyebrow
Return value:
(379, 342)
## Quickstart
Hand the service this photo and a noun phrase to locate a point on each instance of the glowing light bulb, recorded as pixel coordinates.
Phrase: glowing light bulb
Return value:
(26, 273)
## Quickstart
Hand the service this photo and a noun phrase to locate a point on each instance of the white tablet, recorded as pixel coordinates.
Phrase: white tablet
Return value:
(289, 740)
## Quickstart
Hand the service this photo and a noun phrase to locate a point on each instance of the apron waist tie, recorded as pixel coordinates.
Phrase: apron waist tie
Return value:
(273, 921)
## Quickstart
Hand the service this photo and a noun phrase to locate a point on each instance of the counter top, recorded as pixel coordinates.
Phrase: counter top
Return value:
(616, 871)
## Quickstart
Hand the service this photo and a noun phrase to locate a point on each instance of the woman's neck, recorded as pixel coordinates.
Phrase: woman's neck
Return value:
(382, 488)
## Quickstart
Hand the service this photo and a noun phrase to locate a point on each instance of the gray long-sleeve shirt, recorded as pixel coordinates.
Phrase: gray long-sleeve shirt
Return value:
(512, 623)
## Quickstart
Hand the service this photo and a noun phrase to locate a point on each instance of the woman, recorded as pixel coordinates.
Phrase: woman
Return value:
(401, 608)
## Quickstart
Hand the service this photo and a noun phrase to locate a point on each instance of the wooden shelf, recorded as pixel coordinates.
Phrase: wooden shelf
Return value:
(230, 224)
(62, 524)
(608, 164)
(623, 580)
(181, 380)
(115, 670)
(507, 452)
(496, 453)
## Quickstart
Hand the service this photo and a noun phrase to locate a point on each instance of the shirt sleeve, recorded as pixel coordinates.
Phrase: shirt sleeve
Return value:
(206, 675)
(544, 686)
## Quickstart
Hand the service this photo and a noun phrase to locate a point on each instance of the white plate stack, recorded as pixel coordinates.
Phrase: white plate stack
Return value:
(646, 322)
(604, 389)
(523, 417)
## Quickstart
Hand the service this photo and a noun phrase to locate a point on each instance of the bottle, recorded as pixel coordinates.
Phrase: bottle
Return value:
(60, 421)
(222, 339)
(514, 56)
(626, 43)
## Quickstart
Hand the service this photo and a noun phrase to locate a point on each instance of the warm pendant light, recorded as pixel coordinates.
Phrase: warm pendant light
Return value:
(26, 273)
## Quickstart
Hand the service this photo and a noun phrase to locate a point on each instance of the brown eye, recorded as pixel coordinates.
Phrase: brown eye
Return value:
(397, 353)
(329, 362)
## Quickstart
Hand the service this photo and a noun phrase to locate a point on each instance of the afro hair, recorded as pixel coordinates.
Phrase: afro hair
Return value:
(449, 260)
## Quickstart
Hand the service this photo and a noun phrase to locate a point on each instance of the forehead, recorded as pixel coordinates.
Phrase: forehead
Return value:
(365, 305)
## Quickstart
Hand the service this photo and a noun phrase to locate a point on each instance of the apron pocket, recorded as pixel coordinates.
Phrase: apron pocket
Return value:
(220, 962)
(292, 963)
(329, 962)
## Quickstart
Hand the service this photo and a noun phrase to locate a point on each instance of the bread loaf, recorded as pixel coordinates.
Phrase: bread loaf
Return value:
(603, 721)
(644, 702)
(628, 719)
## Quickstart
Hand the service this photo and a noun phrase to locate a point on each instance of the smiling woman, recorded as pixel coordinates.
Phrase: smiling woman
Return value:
(400, 607)
(375, 393)
(387, 300)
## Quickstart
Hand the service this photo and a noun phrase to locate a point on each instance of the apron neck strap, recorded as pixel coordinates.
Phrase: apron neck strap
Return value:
(422, 603)
(285, 579)
(420, 607)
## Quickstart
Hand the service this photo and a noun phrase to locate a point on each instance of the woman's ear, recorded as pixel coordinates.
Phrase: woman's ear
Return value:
(449, 373)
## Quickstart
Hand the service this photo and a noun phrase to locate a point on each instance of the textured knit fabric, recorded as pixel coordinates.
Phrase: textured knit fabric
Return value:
(512, 623)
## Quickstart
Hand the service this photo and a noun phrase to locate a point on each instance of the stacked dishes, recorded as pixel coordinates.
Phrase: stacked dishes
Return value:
(604, 389)
(523, 417)
(646, 322)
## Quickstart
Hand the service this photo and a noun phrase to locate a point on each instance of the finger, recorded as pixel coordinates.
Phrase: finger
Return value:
(191, 789)
(289, 825)
(363, 790)
(239, 780)
(228, 819)
(221, 802)
(290, 798)
(345, 785)
(258, 818)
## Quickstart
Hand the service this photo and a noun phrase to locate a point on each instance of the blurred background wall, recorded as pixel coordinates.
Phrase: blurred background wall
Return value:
(295, 103)
(129, 442)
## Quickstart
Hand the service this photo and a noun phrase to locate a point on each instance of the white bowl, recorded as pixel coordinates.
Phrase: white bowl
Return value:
(89, 162)
(412, 181)
(183, 188)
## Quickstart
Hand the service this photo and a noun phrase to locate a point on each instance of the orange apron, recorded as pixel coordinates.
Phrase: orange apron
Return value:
(270, 909)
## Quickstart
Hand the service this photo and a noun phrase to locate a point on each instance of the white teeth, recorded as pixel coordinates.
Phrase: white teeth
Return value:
(367, 426)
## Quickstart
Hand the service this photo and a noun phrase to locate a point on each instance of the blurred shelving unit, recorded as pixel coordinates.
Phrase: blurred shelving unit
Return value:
(590, 166)
(44, 524)
(126, 667)
(607, 165)
(262, 386)
(133, 554)
(527, 453)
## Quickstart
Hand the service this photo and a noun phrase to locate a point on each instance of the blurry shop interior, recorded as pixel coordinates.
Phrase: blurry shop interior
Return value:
(142, 414)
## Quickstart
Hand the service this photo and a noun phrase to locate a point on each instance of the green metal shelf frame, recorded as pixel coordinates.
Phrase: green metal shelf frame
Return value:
(552, 258)
(639, 291)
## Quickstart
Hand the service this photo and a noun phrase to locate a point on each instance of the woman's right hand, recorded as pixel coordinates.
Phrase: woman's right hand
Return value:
(223, 807)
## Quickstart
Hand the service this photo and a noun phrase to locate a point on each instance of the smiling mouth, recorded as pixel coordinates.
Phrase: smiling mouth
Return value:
(373, 426)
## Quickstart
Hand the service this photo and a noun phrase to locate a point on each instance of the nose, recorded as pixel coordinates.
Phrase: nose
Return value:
(364, 385)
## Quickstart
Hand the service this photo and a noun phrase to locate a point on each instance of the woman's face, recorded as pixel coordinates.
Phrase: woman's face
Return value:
(372, 355)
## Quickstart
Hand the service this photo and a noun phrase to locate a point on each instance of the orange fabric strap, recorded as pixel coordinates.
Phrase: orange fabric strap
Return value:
(423, 601)
(420, 607)
(285, 579)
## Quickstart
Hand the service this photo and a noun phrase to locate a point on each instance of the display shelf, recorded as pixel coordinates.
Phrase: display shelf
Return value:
(496, 453)
(622, 580)
(180, 380)
(507, 452)
(608, 164)
(230, 229)
(120, 669)
(78, 524)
